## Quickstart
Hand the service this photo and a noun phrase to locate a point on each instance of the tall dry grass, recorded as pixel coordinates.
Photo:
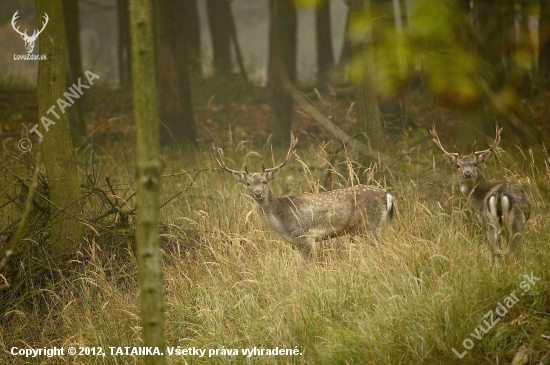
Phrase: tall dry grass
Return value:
(230, 283)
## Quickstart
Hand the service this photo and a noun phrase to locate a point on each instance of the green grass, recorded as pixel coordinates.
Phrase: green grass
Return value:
(230, 283)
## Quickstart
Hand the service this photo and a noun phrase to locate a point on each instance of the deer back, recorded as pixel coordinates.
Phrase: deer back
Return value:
(358, 208)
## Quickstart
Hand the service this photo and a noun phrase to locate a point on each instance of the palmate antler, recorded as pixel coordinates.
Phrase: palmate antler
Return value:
(219, 157)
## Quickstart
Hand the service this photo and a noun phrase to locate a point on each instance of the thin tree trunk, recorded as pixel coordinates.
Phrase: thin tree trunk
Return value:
(235, 39)
(345, 53)
(59, 160)
(193, 36)
(283, 51)
(148, 171)
(325, 54)
(366, 99)
(172, 54)
(544, 40)
(124, 54)
(74, 69)
(218, 20)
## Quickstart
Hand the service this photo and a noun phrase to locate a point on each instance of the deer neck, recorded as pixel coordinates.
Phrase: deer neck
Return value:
(475, 190)
(269, 203)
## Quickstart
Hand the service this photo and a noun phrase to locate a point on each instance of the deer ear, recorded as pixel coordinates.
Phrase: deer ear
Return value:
(270, 175)
(451, 159)
(240, 176)
(483, 157)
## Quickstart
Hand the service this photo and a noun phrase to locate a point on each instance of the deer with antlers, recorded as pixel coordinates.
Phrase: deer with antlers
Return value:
(305, 218)
(502, 207)
(29, 40)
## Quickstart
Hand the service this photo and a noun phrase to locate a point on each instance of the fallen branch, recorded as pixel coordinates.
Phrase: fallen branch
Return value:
(316, 115)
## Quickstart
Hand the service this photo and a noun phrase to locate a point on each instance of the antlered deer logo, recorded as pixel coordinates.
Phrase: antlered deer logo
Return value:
(29, 41)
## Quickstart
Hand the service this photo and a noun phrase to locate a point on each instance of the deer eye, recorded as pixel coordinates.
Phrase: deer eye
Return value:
(457, 165)
(265, 181)
(248, 183)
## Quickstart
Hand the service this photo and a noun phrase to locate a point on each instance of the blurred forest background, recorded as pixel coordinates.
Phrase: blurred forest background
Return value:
(359, 82)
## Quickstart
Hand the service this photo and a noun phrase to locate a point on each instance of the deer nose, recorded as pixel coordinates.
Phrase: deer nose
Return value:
(257, 193)
(467, 174)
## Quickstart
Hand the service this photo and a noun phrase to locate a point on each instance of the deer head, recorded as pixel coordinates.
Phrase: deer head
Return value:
(29, 40)
(467, 165)
(256, 182)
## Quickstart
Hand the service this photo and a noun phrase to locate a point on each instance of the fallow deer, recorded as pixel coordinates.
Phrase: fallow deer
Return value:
(502, 207)
(303, 219)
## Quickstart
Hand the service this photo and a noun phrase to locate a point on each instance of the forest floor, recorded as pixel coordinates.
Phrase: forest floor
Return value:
(428, 294)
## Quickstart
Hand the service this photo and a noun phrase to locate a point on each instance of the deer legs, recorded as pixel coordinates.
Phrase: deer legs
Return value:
(512, 226)
(308, 248)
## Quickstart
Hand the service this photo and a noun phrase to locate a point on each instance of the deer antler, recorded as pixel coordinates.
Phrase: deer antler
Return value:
(438, 143)
(293, 143)
(495, 143)
(219, 158)
(13, 19)
(36, 34)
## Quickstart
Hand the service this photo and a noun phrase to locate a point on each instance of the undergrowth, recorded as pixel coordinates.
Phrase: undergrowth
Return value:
(230, 283)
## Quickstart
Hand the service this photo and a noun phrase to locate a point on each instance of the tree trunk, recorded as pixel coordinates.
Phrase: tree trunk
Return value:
(148, 175)
(176, 108)
(57, 148)
(74, 69)
(237, 48)
(124, 54)
(283, 63)
(325, 54)
(345, 53)
(544, 40)
(524, 60)
(366, 99)
(219, 22)
(193, 35)
(494, 26)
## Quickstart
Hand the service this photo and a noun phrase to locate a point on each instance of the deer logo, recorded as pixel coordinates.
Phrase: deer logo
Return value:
(29, 40)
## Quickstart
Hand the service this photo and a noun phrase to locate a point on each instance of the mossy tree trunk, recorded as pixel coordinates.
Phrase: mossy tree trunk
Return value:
(148, 170)
(57, 148)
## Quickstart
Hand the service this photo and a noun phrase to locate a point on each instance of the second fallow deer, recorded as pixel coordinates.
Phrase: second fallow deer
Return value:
(502, 207)
(305, 218)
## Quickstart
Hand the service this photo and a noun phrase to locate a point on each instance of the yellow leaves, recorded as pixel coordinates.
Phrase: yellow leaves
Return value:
(309, 3)
(431, 45)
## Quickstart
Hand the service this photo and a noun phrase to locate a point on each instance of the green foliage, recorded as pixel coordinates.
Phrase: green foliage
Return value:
(433, 44)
